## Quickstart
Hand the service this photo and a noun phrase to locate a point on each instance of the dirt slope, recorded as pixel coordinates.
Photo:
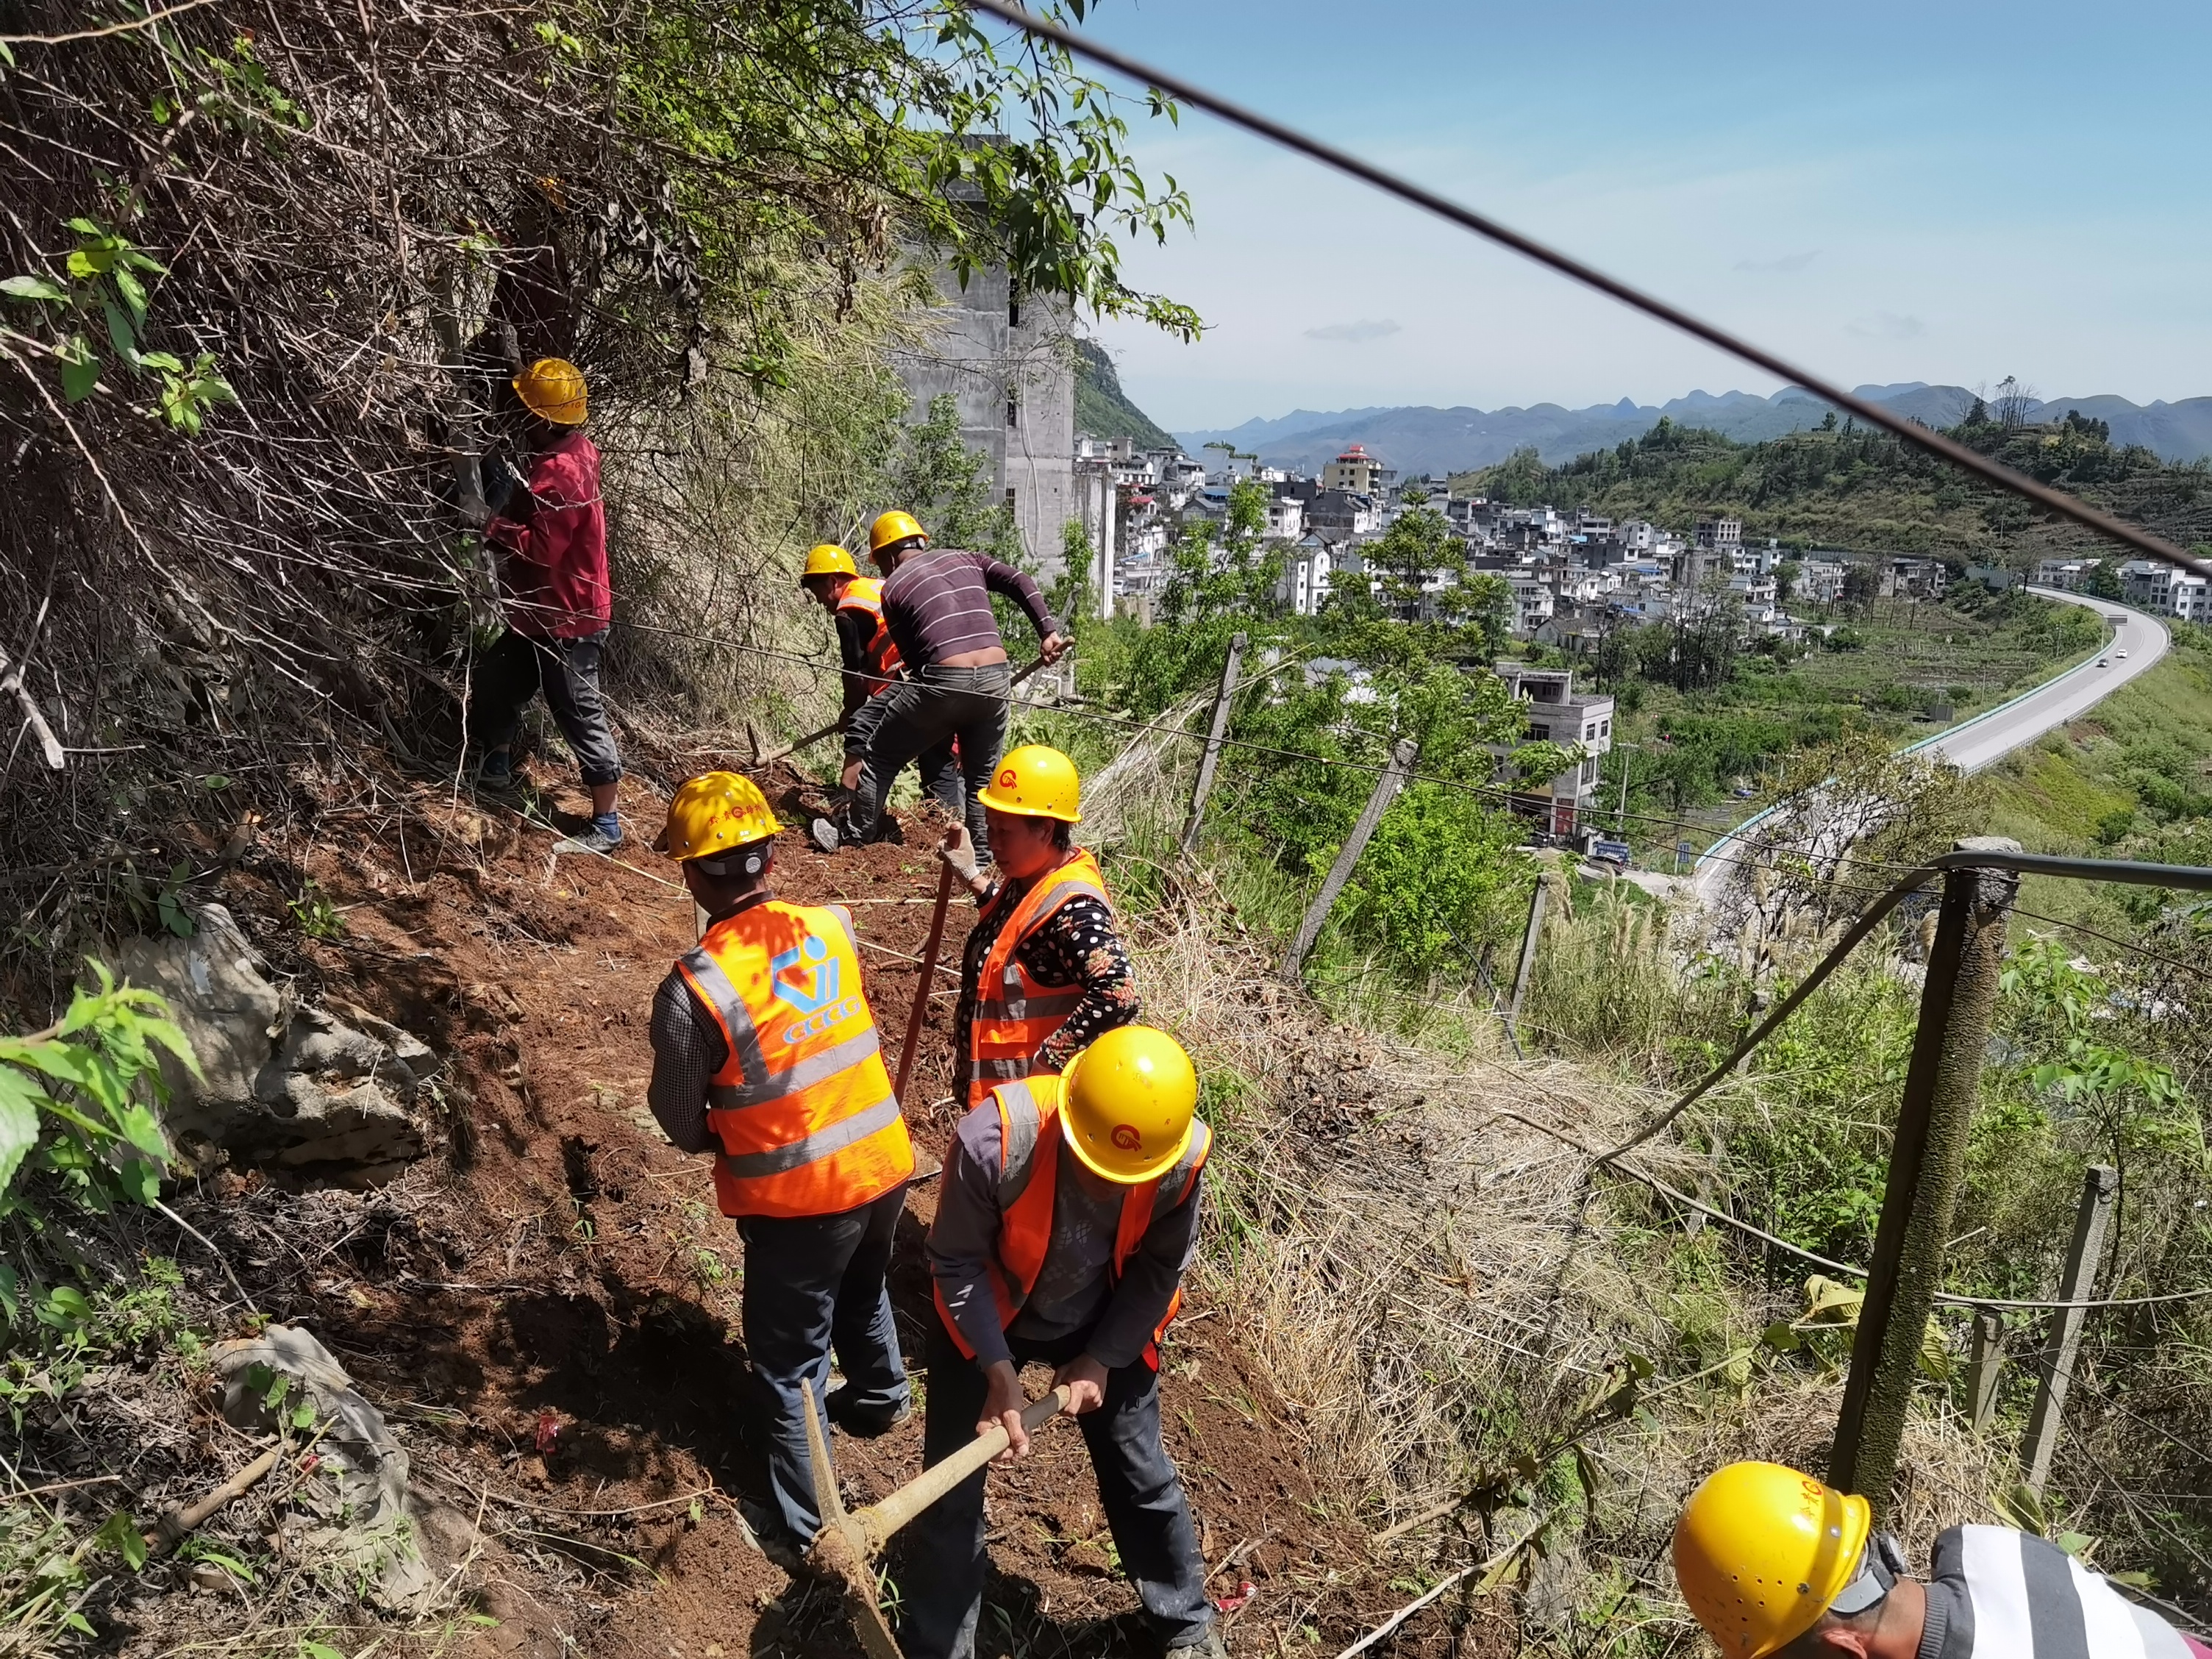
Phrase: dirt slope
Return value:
(552, 1307)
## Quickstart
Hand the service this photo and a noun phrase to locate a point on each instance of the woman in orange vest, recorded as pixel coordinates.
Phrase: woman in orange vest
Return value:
(871, 664)
(1044, 971)
(1067, 1215)
(765, 1053)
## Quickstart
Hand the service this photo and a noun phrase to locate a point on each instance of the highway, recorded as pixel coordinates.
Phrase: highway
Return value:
(1989, 737)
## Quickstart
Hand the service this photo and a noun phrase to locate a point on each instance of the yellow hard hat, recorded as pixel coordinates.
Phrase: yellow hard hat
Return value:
(1033, 781)
(552, 389)
(1128, 1101)
(1762, 1550)
(715, 812)
(827, 559)
(890, 527)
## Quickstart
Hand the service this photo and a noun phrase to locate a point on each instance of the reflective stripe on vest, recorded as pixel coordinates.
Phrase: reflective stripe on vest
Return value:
(1029, 1175)
(880, 655)
(802, 1105)
(1014, 1014)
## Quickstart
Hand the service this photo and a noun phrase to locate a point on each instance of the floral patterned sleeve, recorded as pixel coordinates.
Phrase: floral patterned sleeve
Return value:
(1077, 944)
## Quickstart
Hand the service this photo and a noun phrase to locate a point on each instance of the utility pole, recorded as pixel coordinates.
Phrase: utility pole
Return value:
(2098, 1187)
(1212, 755)
(1927, 1166)
(1622, 816)
(1386, 790)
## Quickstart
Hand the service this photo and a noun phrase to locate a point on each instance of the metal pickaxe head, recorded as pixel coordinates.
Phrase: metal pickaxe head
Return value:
(843, 1550)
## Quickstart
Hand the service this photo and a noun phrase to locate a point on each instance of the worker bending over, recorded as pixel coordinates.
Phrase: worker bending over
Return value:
(765, 1052)
(937, 604)
(1044, 971)
(1774, 1562)
(1068, 1216)
(871, 662)
(550, 531)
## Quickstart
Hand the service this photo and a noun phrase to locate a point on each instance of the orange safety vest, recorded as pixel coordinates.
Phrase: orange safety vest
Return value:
(803, 1107)
(880, 656)
(1028, 1177)
(1014, 1013)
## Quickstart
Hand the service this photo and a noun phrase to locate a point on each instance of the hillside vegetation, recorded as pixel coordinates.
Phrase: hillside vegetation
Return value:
(1866, 491)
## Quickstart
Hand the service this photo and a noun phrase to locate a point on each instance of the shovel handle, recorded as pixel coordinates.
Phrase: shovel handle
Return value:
(883, 1519)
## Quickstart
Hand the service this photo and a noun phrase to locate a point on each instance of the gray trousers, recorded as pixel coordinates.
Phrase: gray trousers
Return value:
(814, 1285)
(516, 668)
(939, 778)
(922, 713)
(1138, 1487)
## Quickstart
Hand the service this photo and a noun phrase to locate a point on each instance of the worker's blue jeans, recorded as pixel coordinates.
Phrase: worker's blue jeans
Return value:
(942, 1579)
(814, 1283)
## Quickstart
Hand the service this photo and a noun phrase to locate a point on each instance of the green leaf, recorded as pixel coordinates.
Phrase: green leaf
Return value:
(86, 227)
(215, 781)
(161, 360)
(319, 1650)
(19, 1124)
(121, 1534)
(139, 1181)
(32, 287)
(142, 1130)
(303, 1415)
(79, 369)
(133, 292)
(88, 262)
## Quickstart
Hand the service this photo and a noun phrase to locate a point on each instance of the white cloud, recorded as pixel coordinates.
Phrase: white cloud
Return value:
(1355, 333)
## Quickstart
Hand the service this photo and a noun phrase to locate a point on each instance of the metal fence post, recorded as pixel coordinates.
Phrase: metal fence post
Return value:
(1212, 755)
(1386, 790)
(1927, 1164)
(2057, 1364)
(1982, 1372)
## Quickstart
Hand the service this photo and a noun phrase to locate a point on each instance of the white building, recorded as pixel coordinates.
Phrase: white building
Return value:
(1286, 518)
(2157, 585)
(1006, 363)
(1306, 584)
(1557, 715)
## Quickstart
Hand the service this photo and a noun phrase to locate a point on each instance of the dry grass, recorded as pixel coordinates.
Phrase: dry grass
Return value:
(1440, 1293)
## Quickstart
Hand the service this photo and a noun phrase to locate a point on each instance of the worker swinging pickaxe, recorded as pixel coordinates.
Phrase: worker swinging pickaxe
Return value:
(844, 1548)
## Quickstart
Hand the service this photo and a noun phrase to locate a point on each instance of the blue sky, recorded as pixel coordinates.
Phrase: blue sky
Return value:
(1947, 191)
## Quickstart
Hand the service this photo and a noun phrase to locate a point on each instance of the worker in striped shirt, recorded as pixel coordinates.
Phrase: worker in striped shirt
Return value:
(1772, 1562)
(937, 605)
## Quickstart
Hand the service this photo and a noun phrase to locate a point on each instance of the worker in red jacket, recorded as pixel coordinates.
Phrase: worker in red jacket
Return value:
(550, 531)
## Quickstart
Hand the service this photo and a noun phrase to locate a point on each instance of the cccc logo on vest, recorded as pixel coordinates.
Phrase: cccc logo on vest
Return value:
(1126, 1137)
(824, 975)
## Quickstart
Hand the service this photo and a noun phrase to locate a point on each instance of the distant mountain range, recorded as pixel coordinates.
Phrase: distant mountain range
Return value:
(1438, 441)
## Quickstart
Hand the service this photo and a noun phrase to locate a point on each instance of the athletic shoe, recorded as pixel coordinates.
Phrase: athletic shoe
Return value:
(604, 837)
(824, 833)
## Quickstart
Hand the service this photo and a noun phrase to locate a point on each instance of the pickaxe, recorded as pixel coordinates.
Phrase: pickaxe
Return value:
(847, 1544)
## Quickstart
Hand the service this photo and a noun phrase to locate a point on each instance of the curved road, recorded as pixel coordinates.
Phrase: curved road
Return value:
(1989, 737)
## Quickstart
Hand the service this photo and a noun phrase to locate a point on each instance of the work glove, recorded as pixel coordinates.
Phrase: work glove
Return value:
(502, 482)
(960, 853)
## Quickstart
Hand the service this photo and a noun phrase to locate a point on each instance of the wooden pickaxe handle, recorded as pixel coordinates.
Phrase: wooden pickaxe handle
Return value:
(882, 1520)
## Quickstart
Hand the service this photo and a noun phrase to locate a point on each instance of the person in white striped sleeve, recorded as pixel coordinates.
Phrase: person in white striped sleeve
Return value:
(1774, 1563)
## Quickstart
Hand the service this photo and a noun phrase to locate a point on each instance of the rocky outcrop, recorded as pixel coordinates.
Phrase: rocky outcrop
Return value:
(291, 1088)
(348, 1516)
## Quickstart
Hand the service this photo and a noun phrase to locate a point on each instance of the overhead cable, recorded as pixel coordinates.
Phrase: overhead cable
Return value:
(1948, 449)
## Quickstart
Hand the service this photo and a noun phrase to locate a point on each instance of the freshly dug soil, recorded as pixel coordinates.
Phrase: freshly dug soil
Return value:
(551, 1309)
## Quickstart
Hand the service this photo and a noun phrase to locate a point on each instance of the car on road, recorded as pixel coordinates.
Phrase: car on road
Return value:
(2122, 655)
(2103, 662)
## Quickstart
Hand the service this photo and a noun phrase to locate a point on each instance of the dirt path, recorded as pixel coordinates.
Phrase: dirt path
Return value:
(554, 1312)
